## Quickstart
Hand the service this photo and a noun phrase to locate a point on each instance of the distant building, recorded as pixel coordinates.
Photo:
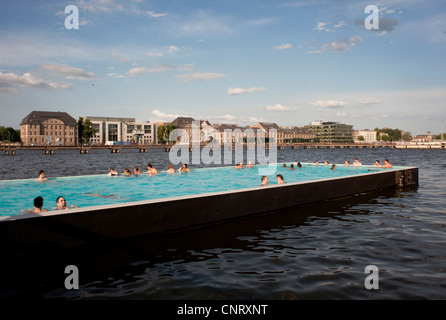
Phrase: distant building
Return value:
(331, 132)
(41, 128)
(296, 135)
(123, 130)
(368, 135)
(423, 137)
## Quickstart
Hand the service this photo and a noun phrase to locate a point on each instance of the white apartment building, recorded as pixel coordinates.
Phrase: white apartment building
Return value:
(110, 130)
(369, 136)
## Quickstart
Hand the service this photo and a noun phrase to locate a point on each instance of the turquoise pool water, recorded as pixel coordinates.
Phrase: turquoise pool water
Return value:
(16, 196)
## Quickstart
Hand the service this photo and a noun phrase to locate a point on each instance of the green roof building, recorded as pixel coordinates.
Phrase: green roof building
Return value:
(331, 132)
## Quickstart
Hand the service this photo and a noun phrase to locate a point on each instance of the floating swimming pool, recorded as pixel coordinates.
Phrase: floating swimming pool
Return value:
(114, 208)
(16, 196)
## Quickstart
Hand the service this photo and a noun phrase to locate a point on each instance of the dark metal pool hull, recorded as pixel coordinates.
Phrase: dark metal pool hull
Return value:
(20, 236)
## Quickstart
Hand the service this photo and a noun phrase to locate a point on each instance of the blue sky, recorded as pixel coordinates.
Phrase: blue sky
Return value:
(236, 61)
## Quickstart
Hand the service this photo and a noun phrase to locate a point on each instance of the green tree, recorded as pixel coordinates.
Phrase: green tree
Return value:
(360, 138)
(164, 131)
(407, 136)
(86, 130)
(9, 134)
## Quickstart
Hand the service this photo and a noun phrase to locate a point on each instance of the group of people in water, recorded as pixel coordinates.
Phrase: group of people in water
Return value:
(61, 203)
(150, 170)
(356, 163)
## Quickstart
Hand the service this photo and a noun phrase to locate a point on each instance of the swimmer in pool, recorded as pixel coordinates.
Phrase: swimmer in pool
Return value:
(264, 181)
(377, 165)
(239, 165)
(387, 164)
(127, 172)
(151, 170)
(136, 171)
(62, 204)
(357, 163)
(112, 172)
(41, 177)
(326, 163)
(280, 180)
(170, 169)
(316, 163)
(299, 165)
(291, 166)
(184, 168)
(38, 204)
(347, 163)
(333, 167)
(249, 165)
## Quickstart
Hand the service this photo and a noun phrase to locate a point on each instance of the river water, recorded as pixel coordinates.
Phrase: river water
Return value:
(317, 251)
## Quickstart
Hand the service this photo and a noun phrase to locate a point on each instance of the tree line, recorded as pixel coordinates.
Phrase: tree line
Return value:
(9, 134)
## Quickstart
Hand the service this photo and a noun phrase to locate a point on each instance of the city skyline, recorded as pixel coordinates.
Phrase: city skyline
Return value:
(241, 62)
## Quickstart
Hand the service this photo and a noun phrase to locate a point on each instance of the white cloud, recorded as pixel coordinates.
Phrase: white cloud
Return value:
(279, 107)
(321, 26)
(157, 67)
(155, 54)
(200, 76)
(162, 116)
(119, 57)
(339, 24)
(115, 75)
(8, 80)
(68, 72)
(338, 46)
(367, 101)
(172, 49)
(239, 91)
(284, 46)
(153, 14)
(332, 104)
